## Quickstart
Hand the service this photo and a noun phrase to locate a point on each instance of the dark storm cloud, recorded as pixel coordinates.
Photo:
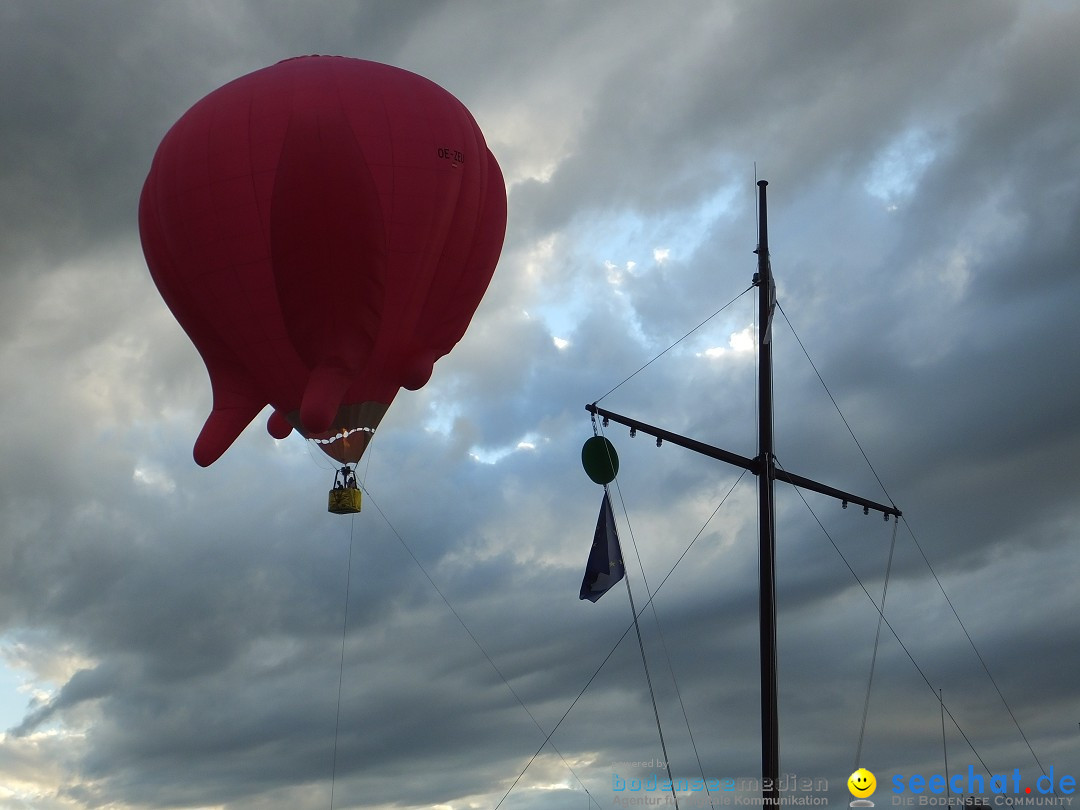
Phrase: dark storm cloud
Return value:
(182, 627)
(81, 107)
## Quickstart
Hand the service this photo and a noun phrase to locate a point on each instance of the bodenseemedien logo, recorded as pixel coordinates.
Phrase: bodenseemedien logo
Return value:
(862, 785)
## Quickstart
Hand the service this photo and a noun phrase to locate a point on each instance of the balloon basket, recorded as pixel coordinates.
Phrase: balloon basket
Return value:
(344, 501)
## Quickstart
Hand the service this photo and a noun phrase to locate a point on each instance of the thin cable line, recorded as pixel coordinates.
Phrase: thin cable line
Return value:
(341, 665)
(660, 633)
(474, 639)
(873, 658)
(682, 707)
(641, 643)
(652, 692)
(677, 342)
(573, 703)
(843, 419)
(320, 459)
(986, 669)
(945, 749)
(368, 453)
(625, 633)
(971, 641)
(888, 624)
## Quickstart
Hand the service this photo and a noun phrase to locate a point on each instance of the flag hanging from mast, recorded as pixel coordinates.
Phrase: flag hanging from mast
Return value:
(605, 566)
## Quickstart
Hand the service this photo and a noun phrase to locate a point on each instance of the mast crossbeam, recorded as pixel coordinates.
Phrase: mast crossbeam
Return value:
(746, 463)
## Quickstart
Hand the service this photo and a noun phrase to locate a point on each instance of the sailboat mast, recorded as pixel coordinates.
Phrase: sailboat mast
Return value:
(766, 469)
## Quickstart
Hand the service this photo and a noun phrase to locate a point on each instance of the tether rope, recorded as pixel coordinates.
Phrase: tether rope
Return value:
(321, 461)
(479, 646)
(341, 666)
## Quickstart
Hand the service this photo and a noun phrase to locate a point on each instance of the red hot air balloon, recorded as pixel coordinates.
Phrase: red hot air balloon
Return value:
(323, 229)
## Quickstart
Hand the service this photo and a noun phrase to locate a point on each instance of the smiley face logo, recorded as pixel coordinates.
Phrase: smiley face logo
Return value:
(862, 783)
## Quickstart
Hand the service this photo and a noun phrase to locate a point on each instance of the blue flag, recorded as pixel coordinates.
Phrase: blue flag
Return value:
(605, 566)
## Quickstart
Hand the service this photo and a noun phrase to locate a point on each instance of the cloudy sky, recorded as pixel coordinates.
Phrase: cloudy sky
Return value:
(171, 636)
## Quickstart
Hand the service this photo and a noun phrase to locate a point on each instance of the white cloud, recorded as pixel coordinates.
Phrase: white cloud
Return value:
(897, 169)
(155, 478)
(739, 343)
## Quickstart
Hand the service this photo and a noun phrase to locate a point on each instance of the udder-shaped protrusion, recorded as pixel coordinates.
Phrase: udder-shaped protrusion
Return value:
(236, 403)
(323, 397)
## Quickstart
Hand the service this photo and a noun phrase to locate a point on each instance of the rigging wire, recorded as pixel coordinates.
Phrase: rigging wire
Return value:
(625, 633)
(637, 628)
(652, 692)
(677, 342)
(873, 658)
(843, 418)
(479, 646)
(945, 749)
(922, 553)
(888, 624)
(573, 703)
(663, 641)
(974, 649)
(341, 666)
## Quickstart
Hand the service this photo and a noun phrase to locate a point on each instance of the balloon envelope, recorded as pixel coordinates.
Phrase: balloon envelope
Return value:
(323, 230)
